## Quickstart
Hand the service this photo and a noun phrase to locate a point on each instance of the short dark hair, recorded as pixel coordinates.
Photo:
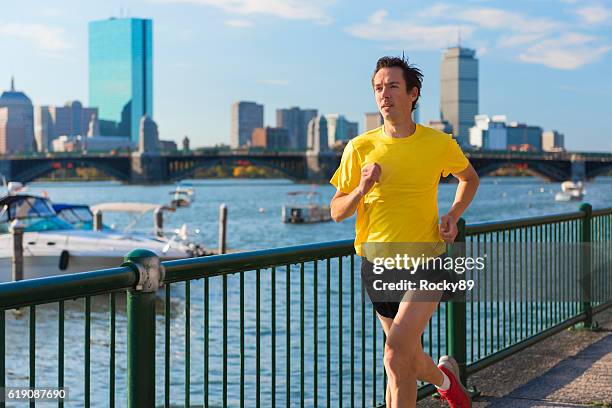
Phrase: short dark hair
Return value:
(412, 75)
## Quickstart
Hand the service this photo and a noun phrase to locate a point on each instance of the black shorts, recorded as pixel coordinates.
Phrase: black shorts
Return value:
(387, 301)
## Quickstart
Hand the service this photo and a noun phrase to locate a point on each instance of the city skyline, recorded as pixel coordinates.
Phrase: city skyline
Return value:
(530, 75)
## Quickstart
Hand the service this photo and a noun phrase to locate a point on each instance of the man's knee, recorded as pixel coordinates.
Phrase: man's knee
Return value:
(400, 360)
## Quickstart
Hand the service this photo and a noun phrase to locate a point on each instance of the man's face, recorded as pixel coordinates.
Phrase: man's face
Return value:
(393, 101)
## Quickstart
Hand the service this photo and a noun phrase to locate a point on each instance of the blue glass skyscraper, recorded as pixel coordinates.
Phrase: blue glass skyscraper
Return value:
(121, 73)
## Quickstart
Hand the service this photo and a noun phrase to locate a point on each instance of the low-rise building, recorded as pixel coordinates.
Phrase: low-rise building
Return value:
(373, 120)
(92, 144)
(272, 138)
(553, 141)
(339, 128)
(441, 125)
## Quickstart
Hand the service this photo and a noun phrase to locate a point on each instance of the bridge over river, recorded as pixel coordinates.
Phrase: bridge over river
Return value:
(309, 165)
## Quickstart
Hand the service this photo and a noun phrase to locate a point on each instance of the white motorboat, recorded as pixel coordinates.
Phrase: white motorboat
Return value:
(182, 197)
(571, 191)
(304, 207)
(53, 246)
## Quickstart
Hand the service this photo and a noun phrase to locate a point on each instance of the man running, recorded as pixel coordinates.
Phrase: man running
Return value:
(390, 176)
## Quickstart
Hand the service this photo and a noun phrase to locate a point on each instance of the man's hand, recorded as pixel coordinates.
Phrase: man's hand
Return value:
(370, 174)
(448, 228)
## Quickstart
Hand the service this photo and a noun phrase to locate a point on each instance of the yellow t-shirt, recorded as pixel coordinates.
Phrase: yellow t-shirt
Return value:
(403, 206)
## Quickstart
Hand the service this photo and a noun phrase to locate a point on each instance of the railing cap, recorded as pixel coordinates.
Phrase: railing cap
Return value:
(149, 268)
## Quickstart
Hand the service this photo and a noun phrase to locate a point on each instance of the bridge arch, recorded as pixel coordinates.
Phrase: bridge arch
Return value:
(538, 169)
(591, 174)
(48, 167)
(224, 161)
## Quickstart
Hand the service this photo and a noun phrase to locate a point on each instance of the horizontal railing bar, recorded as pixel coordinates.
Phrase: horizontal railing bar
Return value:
(195, 268)
(64, 287)
(603, 306)
(601, 211)
(502, 354)
(494, 226)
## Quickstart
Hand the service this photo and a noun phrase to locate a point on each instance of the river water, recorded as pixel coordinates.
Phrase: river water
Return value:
(254, 222)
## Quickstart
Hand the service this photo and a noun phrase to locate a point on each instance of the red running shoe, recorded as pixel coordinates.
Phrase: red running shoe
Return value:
(457, 395)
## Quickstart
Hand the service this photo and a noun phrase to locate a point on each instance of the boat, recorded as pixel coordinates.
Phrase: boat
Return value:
(304, 207)
(571, 191)
(79, 215)
(54, 246)
(182, 197)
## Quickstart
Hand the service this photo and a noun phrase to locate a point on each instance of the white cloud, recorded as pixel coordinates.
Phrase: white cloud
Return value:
(570, 51)
(595, 14)
(314, 10)
(44, 37)
(498, 19)
(532, 39)
(238, 23)
(519, 39)
(408, 35)
(437, 10)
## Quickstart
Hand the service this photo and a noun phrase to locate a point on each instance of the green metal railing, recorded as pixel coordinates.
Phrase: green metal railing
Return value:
(289, 326)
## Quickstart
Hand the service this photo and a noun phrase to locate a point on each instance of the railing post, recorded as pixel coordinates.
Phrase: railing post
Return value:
(97, 220)
(17, 261)
(159, 221)
(456, 331)
(586, 264)
(141, 327)
(222, 228)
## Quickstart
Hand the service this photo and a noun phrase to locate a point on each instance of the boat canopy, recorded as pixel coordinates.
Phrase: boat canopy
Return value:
(134, 207)
(36, 213)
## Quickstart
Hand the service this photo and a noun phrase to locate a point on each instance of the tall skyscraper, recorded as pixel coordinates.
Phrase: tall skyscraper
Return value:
(296, 121)
(373, 120)
(72, 119)
(121, 74)
(16, 122)
(459, 91)
(246, 116)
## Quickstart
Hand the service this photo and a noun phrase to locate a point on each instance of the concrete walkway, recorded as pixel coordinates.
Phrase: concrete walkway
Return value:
(569, 369)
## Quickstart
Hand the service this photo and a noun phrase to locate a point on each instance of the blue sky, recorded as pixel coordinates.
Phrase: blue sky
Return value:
(542, 62)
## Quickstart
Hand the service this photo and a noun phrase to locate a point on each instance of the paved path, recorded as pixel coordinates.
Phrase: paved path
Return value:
(569, 369)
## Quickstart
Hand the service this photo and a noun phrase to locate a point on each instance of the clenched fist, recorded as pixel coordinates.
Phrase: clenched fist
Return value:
(448, 228)
(370, 174)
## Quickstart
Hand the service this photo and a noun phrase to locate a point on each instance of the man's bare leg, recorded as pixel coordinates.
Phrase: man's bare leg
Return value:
(403, 351)
(427, 371)
(386, 323)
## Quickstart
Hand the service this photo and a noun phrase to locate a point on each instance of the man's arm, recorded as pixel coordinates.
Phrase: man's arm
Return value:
(466, 190)
(344, 205)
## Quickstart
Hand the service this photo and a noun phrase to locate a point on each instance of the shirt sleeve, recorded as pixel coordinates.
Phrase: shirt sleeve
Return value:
(454, 160)
(347, 176)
